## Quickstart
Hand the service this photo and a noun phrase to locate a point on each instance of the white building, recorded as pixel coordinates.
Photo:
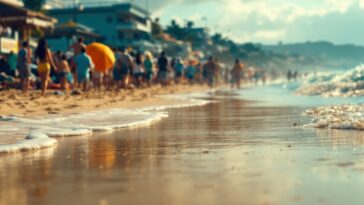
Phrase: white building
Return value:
(119, 24)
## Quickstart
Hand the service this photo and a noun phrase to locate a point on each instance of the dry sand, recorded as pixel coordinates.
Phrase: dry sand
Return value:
(14, 102)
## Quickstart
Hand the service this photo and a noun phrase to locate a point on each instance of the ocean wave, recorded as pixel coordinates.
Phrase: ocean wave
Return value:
(40, 131)
(347, 84)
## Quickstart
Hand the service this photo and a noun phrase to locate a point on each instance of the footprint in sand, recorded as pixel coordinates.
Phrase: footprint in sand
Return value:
(99, 105)
(22, 106)
(71, 106)
(144, 95)
(48, 109)
(12, 97)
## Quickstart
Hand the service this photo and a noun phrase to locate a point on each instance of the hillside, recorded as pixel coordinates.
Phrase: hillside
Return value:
(328, 54)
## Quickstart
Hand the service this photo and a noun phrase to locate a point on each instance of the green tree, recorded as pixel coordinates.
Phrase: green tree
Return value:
(175, 30)
(35, 5)
(157, 29)
(190, 24)
(217, 38)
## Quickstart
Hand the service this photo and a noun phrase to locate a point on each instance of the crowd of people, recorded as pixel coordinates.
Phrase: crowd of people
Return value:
(43, 69)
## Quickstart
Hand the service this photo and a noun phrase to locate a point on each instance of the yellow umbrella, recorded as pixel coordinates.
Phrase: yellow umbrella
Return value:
(102, 56)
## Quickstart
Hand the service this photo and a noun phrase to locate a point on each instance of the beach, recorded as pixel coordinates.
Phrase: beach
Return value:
(24, 128)
(14, 102)
(228, 152)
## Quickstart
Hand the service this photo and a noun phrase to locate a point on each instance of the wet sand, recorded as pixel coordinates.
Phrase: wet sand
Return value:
(228, 152)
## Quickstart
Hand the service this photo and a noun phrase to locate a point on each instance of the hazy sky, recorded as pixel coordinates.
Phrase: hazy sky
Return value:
(270, 21)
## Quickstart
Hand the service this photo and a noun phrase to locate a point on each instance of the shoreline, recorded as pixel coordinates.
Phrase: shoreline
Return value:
(97, 112)
(15, 103)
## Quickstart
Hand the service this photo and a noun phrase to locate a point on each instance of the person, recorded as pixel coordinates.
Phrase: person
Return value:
(45, 61)
(148, 66)
(217, 72)
(178, 69)
(84, 65)
(163, 69)
(289, 75)
(64, 71)
(211, 69)
(57, 57)
(190, 73)
(116, 70)
(138, 70)
(198, 73)
(4, 65)
(23, 61)
(12, 61)
(236, 74)
(124, 64)
(77, 46)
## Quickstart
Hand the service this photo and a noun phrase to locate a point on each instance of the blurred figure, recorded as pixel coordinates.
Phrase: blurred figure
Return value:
(295, 75)
(45, 61)
(12, 61)
(217, 72)
(190, 73)
(116, 69)
(163, 69)
(77, 46)
(236, 74)
(84, 65)
(178, 69)
(138, 71)
(124, 65)
(198, 73)
(148, 66)
(64, 71)
(289, 75)
(210, 72)
(24, 61)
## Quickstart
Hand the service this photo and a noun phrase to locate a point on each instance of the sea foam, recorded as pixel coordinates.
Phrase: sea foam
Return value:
(347, 84)
(337, 117)
(39, 131)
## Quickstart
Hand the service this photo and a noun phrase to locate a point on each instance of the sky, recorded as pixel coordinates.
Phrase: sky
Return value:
(269, 21)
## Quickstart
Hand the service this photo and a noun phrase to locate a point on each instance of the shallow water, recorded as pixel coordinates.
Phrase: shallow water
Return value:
(284, 95)
(228, 152)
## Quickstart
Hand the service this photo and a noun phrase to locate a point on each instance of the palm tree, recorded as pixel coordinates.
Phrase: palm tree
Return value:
(190, 24)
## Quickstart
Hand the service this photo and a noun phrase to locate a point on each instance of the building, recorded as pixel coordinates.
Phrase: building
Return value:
(64, 34)
(18, 23)
(119, 24)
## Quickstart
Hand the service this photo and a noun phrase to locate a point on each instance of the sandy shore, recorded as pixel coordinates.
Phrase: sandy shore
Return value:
(221, 153)
(13, 102)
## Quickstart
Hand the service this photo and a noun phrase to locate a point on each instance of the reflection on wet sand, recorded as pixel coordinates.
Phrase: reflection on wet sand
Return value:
(222, 153)
(340, 137)
(12, 172)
